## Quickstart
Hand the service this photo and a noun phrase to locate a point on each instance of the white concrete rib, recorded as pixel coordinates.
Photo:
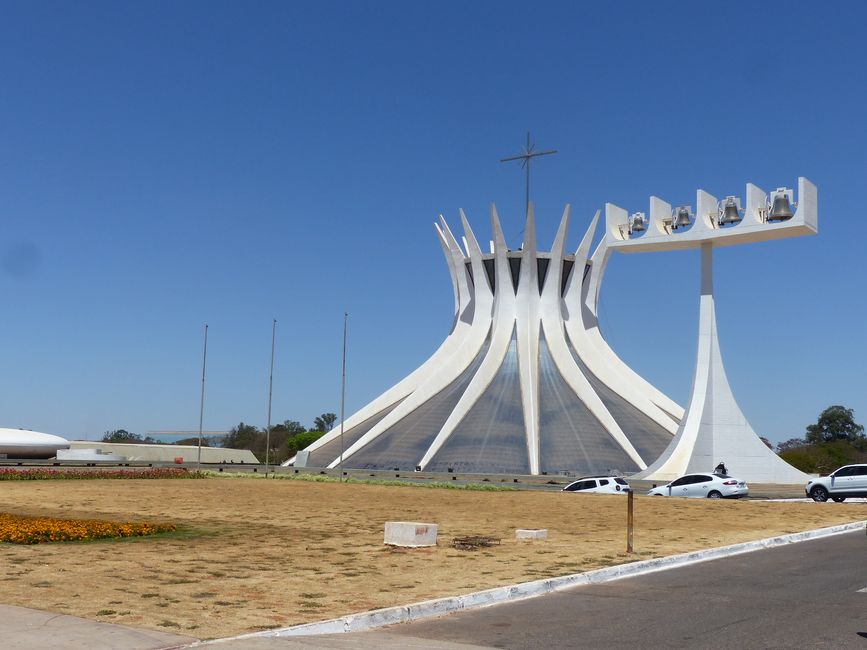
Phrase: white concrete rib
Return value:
(501, 336)
(606, 362)
(408, 384)
(591, 352)
(553, 325)
(443, 374)
(527, 327)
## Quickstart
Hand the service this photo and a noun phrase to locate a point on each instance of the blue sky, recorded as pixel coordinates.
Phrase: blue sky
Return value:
(165, 165)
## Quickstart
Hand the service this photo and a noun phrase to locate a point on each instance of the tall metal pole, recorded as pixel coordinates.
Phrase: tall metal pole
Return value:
(202, 403)
(270, 391)
(343, 393)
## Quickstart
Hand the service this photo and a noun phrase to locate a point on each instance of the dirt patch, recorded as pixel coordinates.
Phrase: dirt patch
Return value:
(272, 553)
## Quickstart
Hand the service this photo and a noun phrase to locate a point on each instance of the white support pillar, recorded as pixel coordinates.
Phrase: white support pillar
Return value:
(714, 428)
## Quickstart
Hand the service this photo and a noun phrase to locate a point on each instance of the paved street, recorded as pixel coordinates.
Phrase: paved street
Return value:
(806, 595)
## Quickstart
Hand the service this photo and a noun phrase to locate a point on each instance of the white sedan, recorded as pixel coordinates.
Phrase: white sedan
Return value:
(699, 486)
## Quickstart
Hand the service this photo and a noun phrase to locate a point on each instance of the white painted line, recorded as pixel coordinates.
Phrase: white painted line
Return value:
(441, 606)
(807, 500)
(862, 591)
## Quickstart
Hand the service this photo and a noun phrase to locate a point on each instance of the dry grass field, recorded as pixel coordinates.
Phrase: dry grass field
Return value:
(257, 554)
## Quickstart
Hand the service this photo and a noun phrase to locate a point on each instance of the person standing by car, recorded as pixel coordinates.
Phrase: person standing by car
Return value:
(720, 469)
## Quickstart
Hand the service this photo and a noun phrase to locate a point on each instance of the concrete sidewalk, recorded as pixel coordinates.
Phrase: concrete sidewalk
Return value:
(32, 629)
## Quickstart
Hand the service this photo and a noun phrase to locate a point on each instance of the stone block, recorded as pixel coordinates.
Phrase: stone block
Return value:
(410, 533)
(531, 533)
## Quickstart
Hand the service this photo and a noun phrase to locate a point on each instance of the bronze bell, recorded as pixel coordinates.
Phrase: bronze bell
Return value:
(637, 223)
(782, 209)
(730, 212)
(682, 218)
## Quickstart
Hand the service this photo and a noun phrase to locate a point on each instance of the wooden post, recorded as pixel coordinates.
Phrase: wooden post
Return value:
(629, 521)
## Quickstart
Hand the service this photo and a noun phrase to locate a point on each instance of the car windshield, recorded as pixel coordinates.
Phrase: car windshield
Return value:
(621, 481)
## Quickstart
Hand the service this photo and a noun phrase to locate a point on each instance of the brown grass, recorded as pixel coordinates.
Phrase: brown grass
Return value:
(272, 553)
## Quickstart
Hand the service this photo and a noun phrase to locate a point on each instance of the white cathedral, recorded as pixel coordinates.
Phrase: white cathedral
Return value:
(525, 382)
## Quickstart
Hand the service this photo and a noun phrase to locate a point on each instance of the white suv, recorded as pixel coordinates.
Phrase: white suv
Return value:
(599, 485)
(848, 481)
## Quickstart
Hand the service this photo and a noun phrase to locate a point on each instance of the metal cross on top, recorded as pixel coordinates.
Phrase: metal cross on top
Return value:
(525, 158)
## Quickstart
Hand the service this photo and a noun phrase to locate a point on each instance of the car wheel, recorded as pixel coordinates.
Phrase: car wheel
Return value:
(839, 499)
(713, 494)
(819, 494)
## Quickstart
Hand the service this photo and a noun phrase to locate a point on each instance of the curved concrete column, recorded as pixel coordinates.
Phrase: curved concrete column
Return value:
(501, 336)
(715, 429)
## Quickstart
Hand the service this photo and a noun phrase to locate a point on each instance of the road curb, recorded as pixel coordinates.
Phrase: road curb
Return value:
(450, 604)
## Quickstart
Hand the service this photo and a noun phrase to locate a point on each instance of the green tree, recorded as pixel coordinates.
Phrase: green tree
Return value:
(291, 427)
(302, 440)
(324, 422)
(835, 423)
(194, 442)
(791, 443)
(244, 436)
(121, 435)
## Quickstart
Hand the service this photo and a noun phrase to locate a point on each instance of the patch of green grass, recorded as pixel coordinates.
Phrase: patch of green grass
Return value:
(106, 612)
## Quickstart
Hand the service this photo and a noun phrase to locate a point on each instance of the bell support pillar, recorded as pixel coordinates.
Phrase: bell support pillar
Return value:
(714, 428)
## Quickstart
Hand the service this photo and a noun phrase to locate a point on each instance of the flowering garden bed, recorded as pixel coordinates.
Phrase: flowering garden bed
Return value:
(17, 529)
(41, 474)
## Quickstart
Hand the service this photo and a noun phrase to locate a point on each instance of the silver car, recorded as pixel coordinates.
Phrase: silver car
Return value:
(699, 486)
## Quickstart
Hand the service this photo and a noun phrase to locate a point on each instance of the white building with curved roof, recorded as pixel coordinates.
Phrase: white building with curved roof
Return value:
(22, 443)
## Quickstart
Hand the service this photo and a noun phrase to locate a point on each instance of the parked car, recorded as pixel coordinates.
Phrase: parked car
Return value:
(599, 485)
(848, 481)
(698, 486)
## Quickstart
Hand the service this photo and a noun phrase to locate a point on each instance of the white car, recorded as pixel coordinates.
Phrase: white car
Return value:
(699, 486)
(848, 481)
(599, 485)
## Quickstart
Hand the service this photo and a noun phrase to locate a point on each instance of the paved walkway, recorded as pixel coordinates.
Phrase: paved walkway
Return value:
(31, 629)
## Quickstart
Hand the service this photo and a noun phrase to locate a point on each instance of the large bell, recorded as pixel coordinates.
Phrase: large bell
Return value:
(730, 212)
(637, 224)
(681, 220)
(782, 209)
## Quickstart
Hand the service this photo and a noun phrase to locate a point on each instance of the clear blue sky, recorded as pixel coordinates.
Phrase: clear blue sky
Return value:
(166, 164)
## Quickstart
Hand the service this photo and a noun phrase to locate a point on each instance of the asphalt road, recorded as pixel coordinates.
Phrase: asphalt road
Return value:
(806, 595)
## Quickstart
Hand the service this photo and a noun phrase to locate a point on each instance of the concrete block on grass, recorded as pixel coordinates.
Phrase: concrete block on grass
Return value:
(410, 533)
(531, 534)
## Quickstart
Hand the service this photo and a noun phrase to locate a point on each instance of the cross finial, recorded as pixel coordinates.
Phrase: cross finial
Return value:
(525, 158)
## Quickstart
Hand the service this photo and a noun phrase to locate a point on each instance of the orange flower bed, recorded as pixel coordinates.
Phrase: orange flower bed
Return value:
(16, 529)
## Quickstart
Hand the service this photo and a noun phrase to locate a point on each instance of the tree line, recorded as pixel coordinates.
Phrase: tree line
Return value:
(834, 440)
(285, 440)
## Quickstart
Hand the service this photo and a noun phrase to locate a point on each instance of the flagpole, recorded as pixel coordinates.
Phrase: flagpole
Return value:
(270, 392)
(202, 403)
(343, 393)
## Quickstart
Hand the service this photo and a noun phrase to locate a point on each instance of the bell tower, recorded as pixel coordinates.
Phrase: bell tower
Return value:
(714, 428)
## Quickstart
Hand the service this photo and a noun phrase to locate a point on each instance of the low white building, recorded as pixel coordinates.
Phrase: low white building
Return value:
(166, 453)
